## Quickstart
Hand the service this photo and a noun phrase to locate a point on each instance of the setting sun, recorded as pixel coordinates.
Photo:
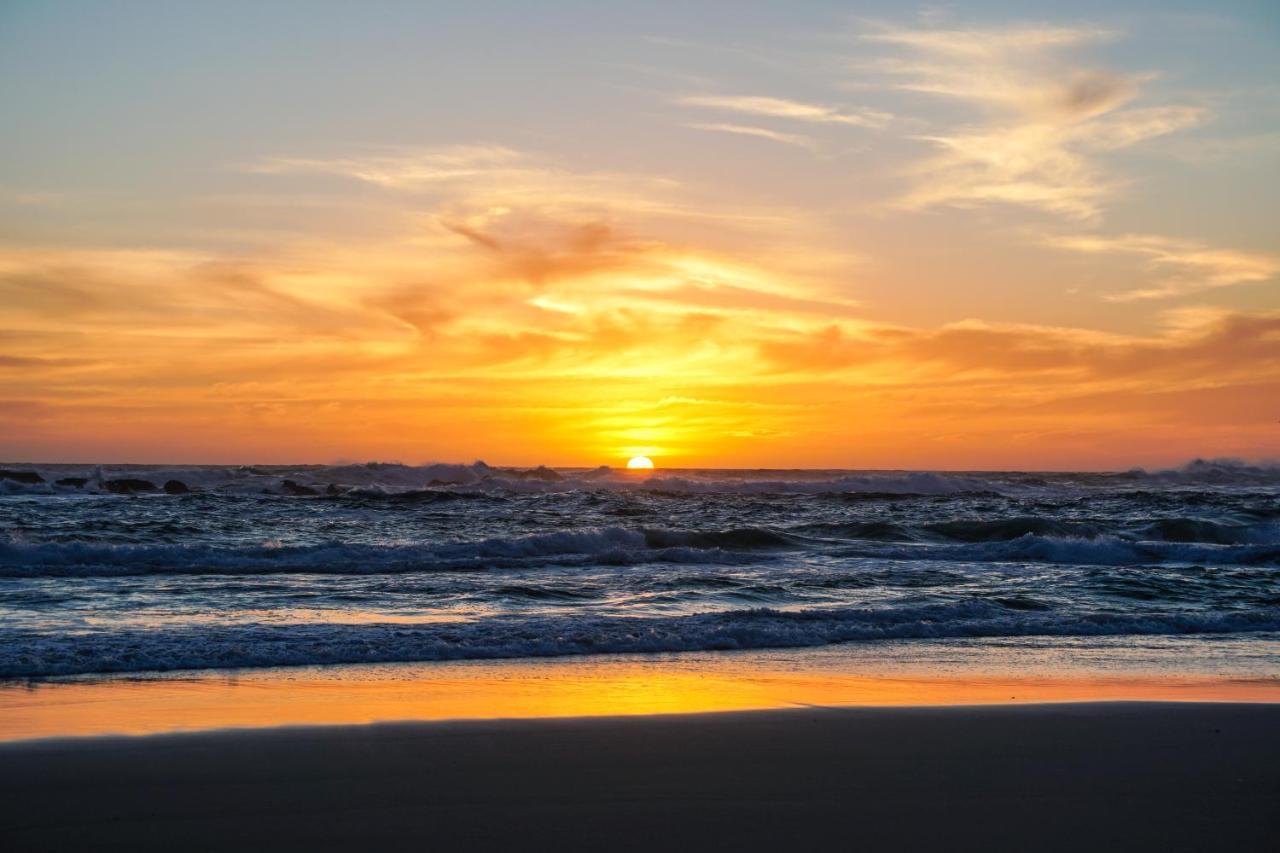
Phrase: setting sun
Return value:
(640, 463)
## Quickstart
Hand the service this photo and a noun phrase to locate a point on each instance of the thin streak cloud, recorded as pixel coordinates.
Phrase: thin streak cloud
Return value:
(795, 139)
(1187, 266)
(401, 169)
(758, 105)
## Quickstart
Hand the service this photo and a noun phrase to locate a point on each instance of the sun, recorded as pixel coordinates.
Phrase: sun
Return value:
(640, 463)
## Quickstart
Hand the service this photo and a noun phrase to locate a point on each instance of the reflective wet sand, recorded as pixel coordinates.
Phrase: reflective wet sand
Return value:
(900, 675)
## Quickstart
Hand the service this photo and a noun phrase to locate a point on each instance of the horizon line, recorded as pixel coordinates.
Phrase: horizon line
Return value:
(1219, 460)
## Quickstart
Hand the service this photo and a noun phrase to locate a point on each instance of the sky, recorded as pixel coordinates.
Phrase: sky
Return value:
(857, 235)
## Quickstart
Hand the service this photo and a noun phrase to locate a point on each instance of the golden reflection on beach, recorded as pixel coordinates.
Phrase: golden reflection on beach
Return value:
(483, 690)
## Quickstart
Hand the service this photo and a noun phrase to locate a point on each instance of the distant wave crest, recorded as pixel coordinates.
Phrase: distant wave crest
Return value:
(979, 541)
(376, 479)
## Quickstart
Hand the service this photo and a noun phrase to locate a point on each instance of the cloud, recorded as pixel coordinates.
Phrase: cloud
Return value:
(758, 105)
(544, 311)
(1042, 124)
(403, 168)
(164, 292)
(465, 294)
(540, 251)
(759, 132)
(448, 340)
(1047, 395)
(447, 179)
(16, 362)
(1188, 266)
(1013, 70)
(1220, 348)
(734, 298)
(1130, 127)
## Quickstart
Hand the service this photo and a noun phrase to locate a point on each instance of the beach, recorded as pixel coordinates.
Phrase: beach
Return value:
(1133, 776)
(469, 658)
(1058, 744)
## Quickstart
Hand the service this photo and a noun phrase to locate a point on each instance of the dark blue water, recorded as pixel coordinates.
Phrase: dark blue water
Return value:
(372, 563)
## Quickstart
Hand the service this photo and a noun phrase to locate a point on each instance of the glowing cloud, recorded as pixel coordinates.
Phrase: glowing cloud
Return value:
(1190, 266)
(1043, 120)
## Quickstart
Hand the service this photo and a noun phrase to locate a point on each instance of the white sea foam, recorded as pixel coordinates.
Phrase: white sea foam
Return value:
(24, 654)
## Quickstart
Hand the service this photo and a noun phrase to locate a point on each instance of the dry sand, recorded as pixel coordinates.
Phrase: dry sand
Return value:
(1107, 776)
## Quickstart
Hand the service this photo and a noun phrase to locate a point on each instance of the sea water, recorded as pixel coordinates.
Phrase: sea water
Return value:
(104, 571)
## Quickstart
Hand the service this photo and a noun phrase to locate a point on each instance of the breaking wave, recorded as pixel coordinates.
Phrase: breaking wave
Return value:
(610, 545)
(1010, 541)
(24, 654)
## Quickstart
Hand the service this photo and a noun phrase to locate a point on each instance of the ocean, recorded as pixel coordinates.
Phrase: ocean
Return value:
(143, 569)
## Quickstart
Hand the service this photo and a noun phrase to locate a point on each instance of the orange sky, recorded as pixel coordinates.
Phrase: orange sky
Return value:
(927, 242)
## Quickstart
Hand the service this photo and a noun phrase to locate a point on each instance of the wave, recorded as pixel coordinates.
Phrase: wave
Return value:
(1142, 538)
(612, 545)
(884, 485)
(1018, 540)
(1002, 529)
(1202, 530)
(878, 531)
(1216, 472)
(389, 478)
(1097, 551)
(30, 654)
(378, 479)
(736, 539)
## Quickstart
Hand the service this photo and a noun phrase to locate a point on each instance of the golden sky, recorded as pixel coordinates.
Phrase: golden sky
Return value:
(941, 239)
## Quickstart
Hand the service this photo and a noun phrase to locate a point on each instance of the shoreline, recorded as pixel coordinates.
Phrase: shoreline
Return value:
(1123, 775)
(890, 674)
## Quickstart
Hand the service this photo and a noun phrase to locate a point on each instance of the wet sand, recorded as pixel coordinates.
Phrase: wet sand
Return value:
(883, 674)
(1133, 776)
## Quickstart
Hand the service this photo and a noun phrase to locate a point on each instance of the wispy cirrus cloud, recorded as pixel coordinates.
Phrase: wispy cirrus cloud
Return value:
(484, 175)
(1043, 120)
(1009, 66)
(769, 107)
(401, 168)
(796, 139)
(1186, 266)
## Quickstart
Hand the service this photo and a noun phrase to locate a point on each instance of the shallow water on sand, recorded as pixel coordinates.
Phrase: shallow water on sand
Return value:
(887, 673)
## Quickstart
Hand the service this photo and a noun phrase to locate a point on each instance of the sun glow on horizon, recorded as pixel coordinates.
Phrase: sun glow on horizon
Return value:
(640, 463)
